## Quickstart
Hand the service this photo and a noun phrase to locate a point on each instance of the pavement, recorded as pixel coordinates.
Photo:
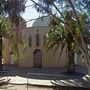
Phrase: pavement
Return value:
(46, 76)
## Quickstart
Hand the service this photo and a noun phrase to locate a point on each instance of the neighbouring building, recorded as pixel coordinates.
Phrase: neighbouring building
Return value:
(36, 54)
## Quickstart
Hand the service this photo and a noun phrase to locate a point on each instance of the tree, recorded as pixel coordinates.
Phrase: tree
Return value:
(56, 8)
(3, 29)
(60, 37)
(12, 8)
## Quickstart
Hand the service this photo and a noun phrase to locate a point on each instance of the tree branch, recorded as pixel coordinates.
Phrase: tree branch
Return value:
(81, 37)
(58, 10)
(49, 12)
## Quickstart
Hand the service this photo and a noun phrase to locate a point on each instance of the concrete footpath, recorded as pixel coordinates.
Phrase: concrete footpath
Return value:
(67, 81)
(46, 77)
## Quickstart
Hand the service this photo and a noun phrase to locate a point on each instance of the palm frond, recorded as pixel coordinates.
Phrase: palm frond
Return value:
(62, 48)
(18, 45)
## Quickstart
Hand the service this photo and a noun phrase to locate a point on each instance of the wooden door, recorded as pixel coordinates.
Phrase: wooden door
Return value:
(37, 58)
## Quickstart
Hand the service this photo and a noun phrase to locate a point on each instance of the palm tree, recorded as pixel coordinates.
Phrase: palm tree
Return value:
(17, 44)
(13, 8)
(59, 36)
(57, 7)
(3, 29)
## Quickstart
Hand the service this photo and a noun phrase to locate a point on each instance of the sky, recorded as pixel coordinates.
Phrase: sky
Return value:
(30, 12)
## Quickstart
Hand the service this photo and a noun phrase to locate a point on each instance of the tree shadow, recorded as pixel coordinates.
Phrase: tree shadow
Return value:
(71, 84)
(57, 76)
(69, 88)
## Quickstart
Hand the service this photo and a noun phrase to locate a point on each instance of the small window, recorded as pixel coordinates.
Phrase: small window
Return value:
(30, 41)
(37, 39)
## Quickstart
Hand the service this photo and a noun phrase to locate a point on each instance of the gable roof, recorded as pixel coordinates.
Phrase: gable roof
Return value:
(42, 21)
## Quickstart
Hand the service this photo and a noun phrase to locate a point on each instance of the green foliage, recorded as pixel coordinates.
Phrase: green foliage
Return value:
(69, 25)
(18, 46)
(13, 8)
(59, 34)
(3, 24)
(8, 28)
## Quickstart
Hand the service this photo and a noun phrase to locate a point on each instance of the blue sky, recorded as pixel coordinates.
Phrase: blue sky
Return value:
(30, 12)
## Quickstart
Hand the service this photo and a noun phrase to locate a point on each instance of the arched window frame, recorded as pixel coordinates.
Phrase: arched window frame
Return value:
(37, 39)
(30, 41)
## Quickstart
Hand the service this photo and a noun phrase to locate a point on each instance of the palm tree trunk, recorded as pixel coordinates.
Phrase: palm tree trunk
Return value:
(71, 65)
(0, 52)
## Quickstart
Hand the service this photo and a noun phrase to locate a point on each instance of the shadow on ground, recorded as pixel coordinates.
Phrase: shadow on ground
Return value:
(56, 73)
(57, 76)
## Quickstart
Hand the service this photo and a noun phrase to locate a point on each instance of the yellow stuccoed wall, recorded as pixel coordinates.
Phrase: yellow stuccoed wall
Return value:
(6, 52)
(50, 58)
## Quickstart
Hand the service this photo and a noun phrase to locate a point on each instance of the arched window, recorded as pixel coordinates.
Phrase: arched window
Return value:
(44, 39)
(30, 41)
(37, 39)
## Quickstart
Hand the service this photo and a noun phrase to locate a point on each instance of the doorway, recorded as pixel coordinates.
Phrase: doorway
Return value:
(12, 59)
(37, 58)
